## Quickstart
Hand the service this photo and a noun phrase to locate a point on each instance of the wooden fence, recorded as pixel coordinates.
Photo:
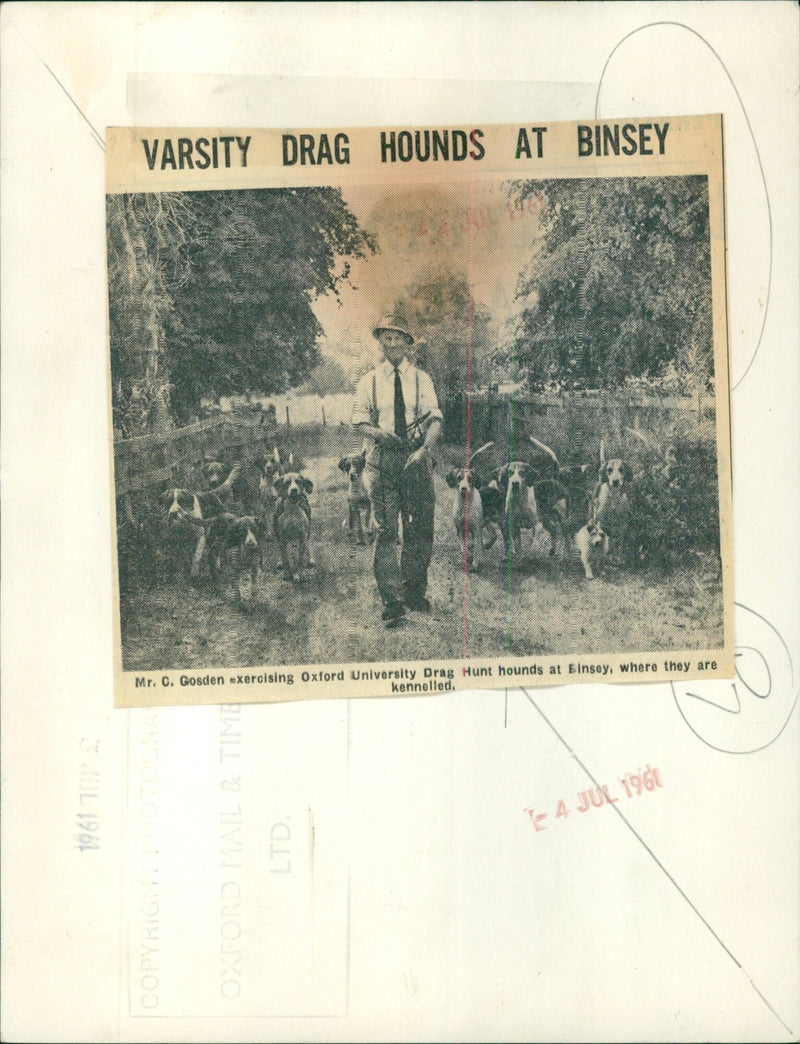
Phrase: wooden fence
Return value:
(571, 422)
(172, 456)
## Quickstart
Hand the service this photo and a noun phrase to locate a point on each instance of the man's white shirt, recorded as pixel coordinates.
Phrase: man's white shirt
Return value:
(374, 398)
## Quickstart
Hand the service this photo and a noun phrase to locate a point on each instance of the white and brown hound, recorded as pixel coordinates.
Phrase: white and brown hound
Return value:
(185, 517)
(292, 523)
(270, 469)
(235, 553)
(467, 514)
(520, 510)
(611, 506)
(591, 546)
(358, 501)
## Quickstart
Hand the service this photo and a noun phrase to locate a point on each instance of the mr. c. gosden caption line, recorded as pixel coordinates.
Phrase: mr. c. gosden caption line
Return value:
(427, 679)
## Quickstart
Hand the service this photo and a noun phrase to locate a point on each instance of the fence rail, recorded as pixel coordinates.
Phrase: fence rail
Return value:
(574, 420)
(151, 459)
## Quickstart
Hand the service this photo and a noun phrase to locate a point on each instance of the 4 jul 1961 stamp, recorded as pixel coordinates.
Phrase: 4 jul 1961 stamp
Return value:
(409, 410)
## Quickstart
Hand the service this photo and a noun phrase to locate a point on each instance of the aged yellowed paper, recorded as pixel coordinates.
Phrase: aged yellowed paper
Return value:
(573, 862)
(409, 410)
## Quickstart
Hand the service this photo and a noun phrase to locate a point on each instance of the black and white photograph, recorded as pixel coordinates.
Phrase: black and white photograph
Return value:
(407, 421)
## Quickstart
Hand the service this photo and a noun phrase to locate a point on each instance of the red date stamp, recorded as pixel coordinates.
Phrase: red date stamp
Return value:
(632, 785)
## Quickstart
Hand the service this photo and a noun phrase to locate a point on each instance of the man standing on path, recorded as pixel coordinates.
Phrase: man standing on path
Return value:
(396, 406)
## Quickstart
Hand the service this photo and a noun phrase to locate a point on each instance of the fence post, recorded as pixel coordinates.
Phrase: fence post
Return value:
(288, 422)
(323, 416)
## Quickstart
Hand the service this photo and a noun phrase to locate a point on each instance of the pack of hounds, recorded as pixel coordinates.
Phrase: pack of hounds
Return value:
(228, 523)
(231, 520)
(583, 508)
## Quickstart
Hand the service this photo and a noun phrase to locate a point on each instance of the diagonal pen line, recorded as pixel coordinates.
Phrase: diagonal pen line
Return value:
(98, 138)
(653, 856)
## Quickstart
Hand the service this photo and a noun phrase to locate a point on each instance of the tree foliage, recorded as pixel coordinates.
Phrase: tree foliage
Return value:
(453, 328)
(222, 290)
(620, 283)
(674, 501)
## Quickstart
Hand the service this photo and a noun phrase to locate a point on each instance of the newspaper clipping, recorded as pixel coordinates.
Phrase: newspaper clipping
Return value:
(409, 410)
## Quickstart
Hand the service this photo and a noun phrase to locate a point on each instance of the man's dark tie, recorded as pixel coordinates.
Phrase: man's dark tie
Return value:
(399, 406)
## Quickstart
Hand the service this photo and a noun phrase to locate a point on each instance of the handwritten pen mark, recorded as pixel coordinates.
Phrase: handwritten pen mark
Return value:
(654, 857)
(702, 39)
(757, 694)
(717, 704)
(96, 136)
(748, 686)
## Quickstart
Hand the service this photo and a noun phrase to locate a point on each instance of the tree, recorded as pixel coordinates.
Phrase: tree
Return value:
(455, 343)
(454, 329)
(145, 237)
(621, 283)
(228, 284)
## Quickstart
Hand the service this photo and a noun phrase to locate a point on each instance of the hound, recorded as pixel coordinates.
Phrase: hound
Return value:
(565, 502)
(215, 473)
(467, 514)
(292, 523)
(563, 495)
(357, 499)
(493, 504)
(610, 502)
(271, 468)
(235, 486)
(591, 545)
(520, 510)
(186, 514)
(578, 479)
(234, 552)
